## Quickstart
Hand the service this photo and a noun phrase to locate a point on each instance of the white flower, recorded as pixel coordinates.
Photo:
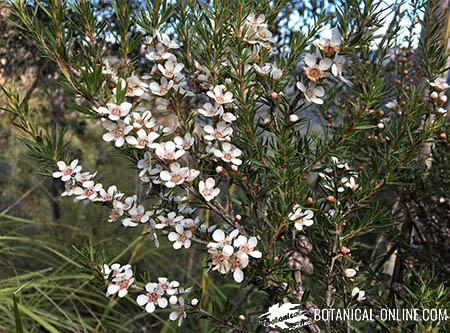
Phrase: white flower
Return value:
(440, 84)
(276, 73)
(264, 70)
(254, 21)
(66, 171)
(338, 66)
(223, 240)
(141, 120)
(349, 272)
(228, 154)
(165, 40)
(330, 46)
(181, 237)
(152, 298)
(115, 269)
(175, 176)
(135, 87)
(210, 110)
(313, 70)
(228, 117)
(301, 218)
(350, 182)
(114, 111)
(167, 151)
(170, 288)
(220, 97)
(390, 105)
(192, 174)
(221, 132)
(220, 259)
(207, 189)
(143, 139)
(159, 53)
(82, 177)
(338, 164)
(117, 131)
(238, 261)
(170, 68)
(107, 195)
(361, 294)
(184, 143)
(170, 220)
(247, 247)
(120, 283)
(88, 190)
(312, 93)
(179, 312)
(161, 89)
(145, 164)
(139, 214)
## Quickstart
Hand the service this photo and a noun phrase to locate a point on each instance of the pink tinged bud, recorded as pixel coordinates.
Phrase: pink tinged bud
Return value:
(309, 200)
(293, 118)
(227, 139)
(388, 138)
(276, 259)
(381, 112)
(443, 135)
(399, 113)
(331, 198)
(219, 169)
(258, 237)
(194, 302)
(330, 125)
(274, 94)
(234, 168)
(443, 98)
(238, 217)
(242, 317)
(345, 250)
(434, 95)
(380, 125)
(441, 200)
(267, 121)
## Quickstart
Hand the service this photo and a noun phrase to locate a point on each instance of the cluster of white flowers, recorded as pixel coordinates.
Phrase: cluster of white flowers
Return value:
(438, 95)
(119, 278)
(231, 252)
(346, 181)
(162, 294)
(319, 63)
(82, 185)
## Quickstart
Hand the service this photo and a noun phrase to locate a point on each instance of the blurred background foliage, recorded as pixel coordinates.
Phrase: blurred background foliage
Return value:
(39, 229)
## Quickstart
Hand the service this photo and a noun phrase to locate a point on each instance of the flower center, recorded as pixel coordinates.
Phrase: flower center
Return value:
(228, 156)
(153, 297)
(118, 132)
(68, 171)
(207, 192)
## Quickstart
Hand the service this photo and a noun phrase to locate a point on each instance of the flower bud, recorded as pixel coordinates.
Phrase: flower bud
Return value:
(443, 135)
(349, 272)
(242, 317)
(293, 118)
(274, 94)
(309, 200)
(331, 198)
(434, 95)
(228, 139)
(219, 169)
(276, 259)
(266, 121)
(345, 250)
(194, 302)
(443, 97)
(380, 125)
(238, 217)
(441, 110)
(234, 167)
